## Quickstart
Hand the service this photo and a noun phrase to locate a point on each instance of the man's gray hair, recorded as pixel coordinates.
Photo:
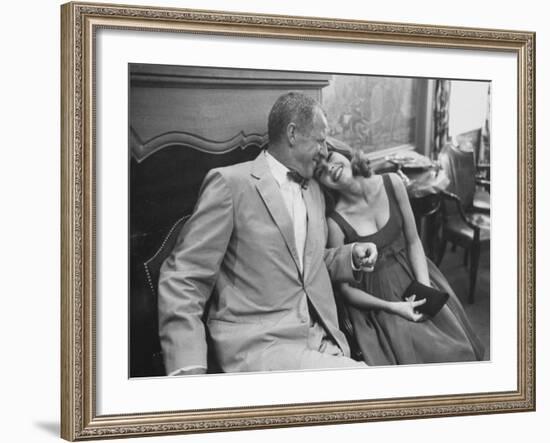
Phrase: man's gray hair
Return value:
(291, 107)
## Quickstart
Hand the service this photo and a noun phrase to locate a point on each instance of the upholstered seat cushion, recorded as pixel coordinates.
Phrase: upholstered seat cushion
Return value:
(456, 225)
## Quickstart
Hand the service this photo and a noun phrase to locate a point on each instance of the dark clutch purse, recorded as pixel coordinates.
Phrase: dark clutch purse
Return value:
(435, 299)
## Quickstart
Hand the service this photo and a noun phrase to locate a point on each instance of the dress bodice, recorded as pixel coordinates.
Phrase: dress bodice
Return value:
(389, 239)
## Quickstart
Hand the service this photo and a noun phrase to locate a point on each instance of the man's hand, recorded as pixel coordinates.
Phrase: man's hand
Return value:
(364, 256)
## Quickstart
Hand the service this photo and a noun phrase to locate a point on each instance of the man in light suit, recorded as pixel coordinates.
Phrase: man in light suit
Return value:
(257, 241)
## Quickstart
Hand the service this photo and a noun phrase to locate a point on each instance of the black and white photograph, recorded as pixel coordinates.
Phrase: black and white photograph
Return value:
(289, 220)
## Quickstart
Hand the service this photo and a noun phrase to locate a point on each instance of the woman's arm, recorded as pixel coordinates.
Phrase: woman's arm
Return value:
(414, 245)
(363, 300)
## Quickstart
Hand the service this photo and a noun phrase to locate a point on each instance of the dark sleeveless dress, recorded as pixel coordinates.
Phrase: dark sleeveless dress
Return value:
(388, 339)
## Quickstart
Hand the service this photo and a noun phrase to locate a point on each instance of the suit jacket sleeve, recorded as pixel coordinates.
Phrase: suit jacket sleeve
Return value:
(188, 275)
(339, 264)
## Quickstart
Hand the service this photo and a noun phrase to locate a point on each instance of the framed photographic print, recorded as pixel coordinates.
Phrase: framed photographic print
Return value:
(281, 221)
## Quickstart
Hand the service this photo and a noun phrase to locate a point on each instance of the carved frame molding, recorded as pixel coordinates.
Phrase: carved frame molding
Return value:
(79, 23)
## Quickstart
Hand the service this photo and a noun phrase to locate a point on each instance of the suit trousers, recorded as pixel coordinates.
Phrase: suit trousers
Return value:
(323, 353)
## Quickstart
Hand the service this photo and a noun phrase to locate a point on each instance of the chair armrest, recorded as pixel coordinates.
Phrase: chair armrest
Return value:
(483, 182)
(453, 197)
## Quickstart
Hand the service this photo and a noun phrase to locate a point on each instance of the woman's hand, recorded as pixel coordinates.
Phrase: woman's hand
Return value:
(407, 309)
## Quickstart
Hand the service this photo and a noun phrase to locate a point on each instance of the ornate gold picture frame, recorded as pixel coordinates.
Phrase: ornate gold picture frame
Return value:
(80, 390)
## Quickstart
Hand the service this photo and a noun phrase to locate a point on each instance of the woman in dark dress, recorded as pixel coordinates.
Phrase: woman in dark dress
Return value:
(388, 330)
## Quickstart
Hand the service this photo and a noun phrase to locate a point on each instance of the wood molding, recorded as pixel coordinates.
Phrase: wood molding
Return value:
(192, 77)
(141, 150)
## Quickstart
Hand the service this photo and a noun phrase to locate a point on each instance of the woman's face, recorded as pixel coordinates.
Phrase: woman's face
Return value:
(335, 173)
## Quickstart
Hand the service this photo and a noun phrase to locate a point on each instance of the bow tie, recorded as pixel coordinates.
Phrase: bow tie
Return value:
(295, 176)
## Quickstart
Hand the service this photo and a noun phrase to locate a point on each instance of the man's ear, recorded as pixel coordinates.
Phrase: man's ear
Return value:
(291, 133)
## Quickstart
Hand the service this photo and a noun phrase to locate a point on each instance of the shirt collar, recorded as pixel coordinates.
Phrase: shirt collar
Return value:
(278, 170)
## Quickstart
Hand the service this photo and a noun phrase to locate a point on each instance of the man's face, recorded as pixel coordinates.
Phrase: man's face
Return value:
(310, 147)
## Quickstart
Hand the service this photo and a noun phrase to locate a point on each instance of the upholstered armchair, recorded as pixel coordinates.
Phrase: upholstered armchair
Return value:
(465, 217)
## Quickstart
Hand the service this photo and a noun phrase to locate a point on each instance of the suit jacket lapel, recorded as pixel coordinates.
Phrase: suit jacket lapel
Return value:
(273, 200)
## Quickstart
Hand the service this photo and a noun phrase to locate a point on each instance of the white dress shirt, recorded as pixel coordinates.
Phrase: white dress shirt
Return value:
(294, 202)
